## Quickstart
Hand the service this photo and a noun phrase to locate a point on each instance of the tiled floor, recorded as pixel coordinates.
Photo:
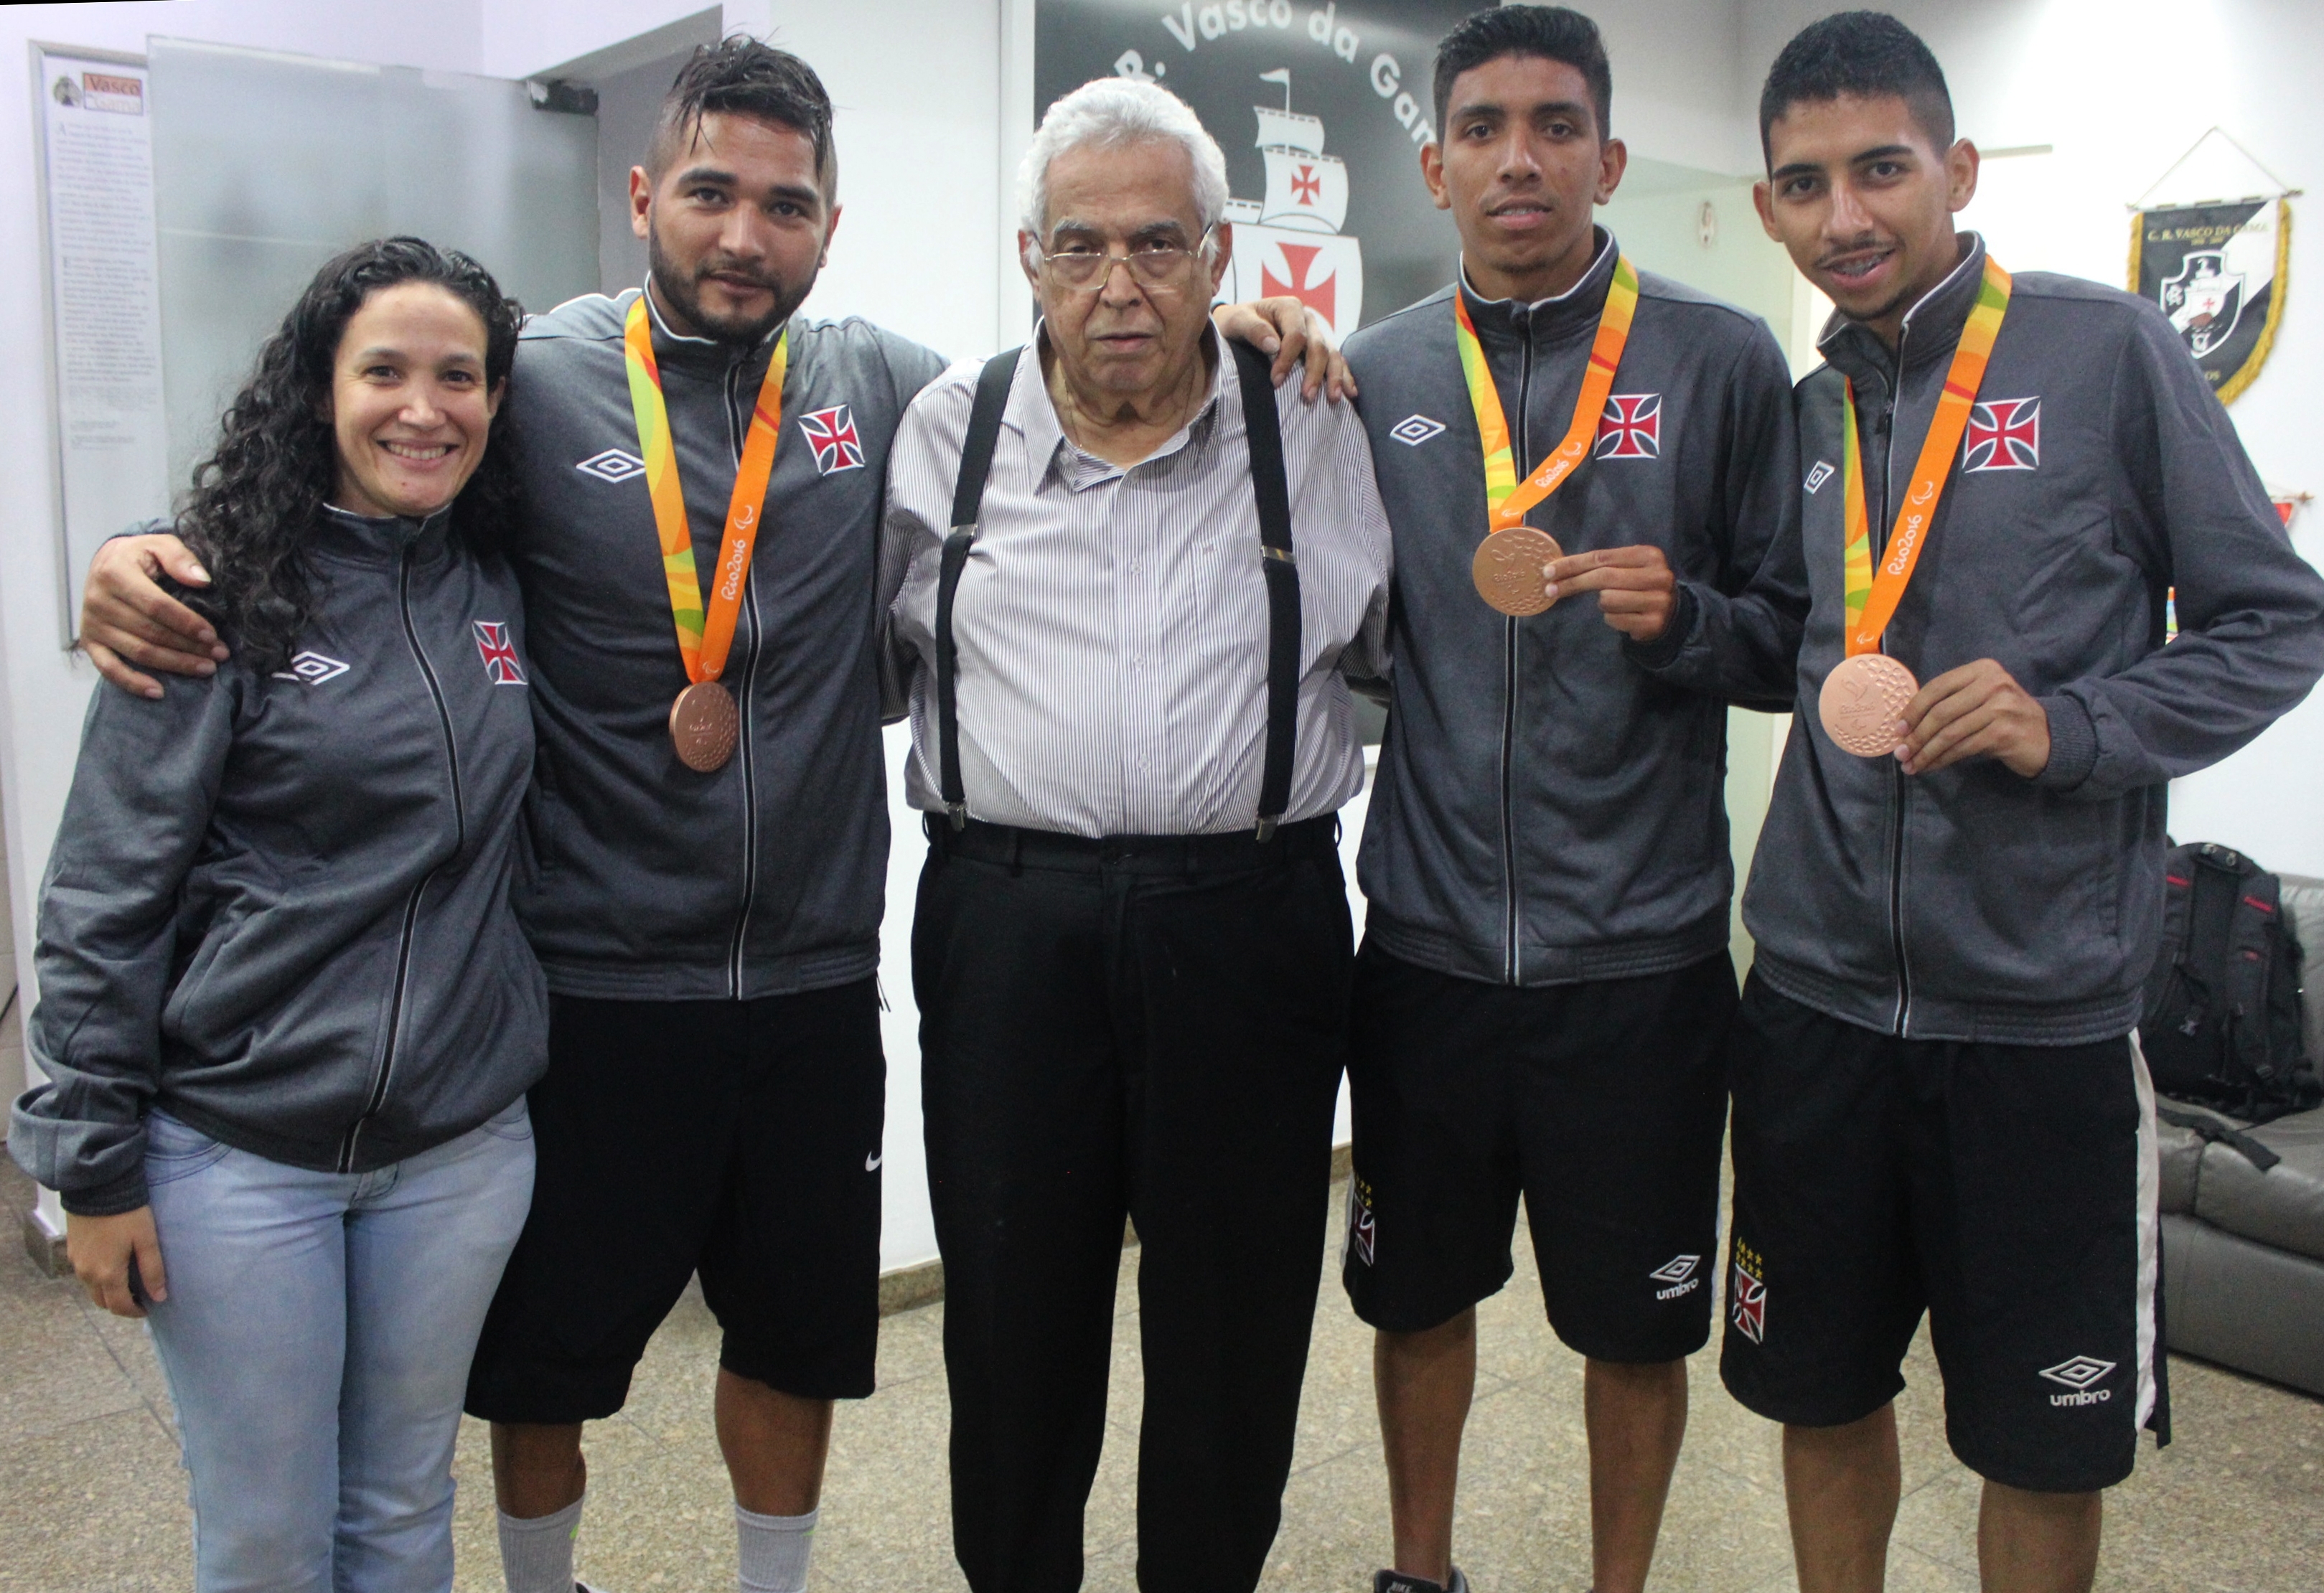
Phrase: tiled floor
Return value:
(91, 1498)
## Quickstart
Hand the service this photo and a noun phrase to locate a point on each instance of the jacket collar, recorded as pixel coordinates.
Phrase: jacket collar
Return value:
(1545, 320)
(1932, 330)
(350, 537)
(704, 356)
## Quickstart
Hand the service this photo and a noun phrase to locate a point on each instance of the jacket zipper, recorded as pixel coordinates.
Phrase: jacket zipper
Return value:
(1511, 969)
(1898, 795)
(742, 703)
(411, 903)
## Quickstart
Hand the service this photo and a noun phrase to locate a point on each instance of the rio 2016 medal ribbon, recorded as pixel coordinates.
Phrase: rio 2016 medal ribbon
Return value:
(1866, 690)
(1508, 566)
(704, 722)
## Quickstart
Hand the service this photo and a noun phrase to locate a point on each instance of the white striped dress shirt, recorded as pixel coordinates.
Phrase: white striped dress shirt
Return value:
(1112, 621)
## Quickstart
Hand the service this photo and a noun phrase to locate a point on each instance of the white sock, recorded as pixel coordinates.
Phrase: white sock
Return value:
(774, 1551)
(537, 1555)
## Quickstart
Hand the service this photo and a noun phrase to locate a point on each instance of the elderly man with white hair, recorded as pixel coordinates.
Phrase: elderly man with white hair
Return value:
(1135, 582)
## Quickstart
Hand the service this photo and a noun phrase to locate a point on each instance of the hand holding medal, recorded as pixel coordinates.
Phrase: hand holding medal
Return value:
(1864, 697)
(1511, 565)
(703, 722)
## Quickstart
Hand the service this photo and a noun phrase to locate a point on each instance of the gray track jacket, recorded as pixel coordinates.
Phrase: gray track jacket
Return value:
(1550, 799)
(650, 882)
(2098, 473)
(278, 908)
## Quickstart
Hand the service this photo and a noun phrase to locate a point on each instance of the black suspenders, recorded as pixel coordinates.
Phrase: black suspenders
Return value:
(967, 502)
(1277, 563)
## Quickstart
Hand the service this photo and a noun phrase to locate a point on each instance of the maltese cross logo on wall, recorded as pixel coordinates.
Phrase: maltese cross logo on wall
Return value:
(832, 434)
(1632, 426)
(2004, 435)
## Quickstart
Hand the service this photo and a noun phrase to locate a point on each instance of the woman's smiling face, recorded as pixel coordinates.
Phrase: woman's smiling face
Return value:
(409, 401)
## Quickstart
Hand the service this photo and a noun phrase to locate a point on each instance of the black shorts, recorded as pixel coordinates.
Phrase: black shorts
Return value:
(1602, 1103)
(2009, 1190)
(741, 1139)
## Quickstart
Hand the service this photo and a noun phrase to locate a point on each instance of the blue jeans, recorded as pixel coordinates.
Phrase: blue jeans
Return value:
(316, 1341)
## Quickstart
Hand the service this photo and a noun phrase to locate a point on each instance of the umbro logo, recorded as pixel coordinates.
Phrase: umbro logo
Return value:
(612, 465)
(2081, 1374)
(1678, 1275)
(313, 668)
(1414, 429)
(1822, 474)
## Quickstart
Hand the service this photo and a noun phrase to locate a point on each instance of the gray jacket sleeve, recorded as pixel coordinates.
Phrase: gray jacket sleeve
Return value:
(133, 823)
(913, 368)
(1738, 638)
(2251, 609)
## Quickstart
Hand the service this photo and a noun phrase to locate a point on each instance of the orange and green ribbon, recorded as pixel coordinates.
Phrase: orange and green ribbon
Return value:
(1507, 502)
(702, 641)
(1871, 599)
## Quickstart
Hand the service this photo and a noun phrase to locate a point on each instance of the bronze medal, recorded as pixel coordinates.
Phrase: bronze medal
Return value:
(1507, 569)
(703, 725)
(1862, 699)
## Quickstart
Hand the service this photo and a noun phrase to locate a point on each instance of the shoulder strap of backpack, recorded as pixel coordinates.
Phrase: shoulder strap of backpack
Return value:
(2178, 898)
(2252, 931)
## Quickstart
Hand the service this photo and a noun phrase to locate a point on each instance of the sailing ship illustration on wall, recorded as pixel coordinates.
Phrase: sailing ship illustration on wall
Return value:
(1290, 241)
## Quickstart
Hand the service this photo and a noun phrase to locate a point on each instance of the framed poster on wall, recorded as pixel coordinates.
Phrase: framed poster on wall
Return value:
(93, 118)
(1322, 110)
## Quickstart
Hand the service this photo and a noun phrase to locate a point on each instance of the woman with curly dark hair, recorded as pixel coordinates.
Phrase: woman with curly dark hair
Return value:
(286, 1012)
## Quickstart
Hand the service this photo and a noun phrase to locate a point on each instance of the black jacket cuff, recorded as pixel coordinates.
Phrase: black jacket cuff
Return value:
(1663, 652)
(125, 1194)
(2073, 744)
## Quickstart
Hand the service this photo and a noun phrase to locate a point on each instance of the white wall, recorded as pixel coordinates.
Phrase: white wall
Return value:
(2120, 89)
(1674, 65)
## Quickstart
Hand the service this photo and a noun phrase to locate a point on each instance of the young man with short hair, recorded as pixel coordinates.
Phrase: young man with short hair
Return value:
(1939, 1103)
(1544, 984)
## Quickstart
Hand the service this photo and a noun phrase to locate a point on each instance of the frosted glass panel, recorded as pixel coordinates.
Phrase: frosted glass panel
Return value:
(266, 165)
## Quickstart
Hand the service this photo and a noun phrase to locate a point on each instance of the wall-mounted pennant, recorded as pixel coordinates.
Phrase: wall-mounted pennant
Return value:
(2219, 270)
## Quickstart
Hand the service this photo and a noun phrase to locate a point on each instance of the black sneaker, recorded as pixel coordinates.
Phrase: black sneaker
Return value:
(1396, 1581)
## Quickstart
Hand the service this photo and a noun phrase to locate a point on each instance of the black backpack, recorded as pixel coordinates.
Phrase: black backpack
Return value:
(2222, 1026)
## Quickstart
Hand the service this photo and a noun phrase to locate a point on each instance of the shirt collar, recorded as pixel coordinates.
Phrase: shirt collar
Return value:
(1036, 414)
(1931, 329)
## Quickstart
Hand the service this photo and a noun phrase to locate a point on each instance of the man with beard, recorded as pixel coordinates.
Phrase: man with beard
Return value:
(1604, 457)
(1939, 1103)
(708, 822)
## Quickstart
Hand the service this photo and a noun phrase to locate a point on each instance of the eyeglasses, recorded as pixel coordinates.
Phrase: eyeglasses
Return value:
(1153, 264)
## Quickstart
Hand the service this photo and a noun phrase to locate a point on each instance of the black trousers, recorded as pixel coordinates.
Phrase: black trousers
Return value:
(1154, 1026)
